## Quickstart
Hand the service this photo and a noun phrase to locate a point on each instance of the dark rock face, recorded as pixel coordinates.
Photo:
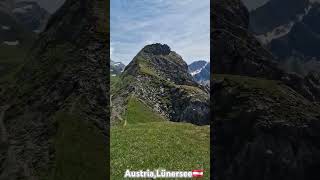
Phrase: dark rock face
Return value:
(159, 77)
(266, 120)
(235, 50)
(289, 29)
(276, 13)
(13, 31)
(303, 39)
(65, 73)
(157, 49)
(31, 15)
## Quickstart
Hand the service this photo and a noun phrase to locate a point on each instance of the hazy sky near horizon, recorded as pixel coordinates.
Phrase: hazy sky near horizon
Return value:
(183, 25)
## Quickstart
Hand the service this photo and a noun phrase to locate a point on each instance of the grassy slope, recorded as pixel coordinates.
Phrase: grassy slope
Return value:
(147, 141)
(11, 57)
(80, 150)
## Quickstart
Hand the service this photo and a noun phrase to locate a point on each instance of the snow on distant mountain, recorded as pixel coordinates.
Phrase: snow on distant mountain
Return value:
(292, 35)
(11, 43)
(200, 71)
(116, 68)
(282, 30)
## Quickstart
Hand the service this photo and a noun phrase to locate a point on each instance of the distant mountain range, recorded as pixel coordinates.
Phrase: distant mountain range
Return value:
(116, 68)
(20, 22)
(31, 15)
(27, 13)
(200, 71)
(292, 35)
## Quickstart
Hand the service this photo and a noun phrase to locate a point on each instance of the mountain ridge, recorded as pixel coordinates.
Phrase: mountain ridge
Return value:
(159, 77)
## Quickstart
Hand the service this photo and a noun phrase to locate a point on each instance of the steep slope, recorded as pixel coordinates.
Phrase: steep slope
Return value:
(159, 78)
(55, 109)
(266, 120)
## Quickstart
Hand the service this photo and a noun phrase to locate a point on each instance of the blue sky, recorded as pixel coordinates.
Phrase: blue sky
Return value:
(182, 24)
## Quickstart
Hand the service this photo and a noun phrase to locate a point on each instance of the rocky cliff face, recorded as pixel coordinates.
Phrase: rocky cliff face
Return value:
(302, 39)
(54, 110)
(266, 121)
(291, 32)
(27, 13)
(159, 77)
(31, 15)
(276, 13)
(236, 50)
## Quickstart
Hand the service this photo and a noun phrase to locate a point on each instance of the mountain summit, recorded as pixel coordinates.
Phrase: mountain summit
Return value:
(159, 78)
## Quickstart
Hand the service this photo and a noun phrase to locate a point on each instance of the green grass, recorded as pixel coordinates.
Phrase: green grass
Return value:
(272, 87)
(158, 145)
(114, 80)
(81, 151)
(148, 141)
(138, 112)
(11, 57)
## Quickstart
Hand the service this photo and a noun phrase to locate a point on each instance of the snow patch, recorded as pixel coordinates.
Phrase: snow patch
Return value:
(37, 31)
(199, 70)
(22, 9)
(5, 27)
(276, 33)
(282, 30)
(11, 43)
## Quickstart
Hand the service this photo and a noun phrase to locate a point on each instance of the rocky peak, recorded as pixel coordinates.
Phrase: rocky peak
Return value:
(236, 50)
(157, 49)
(159, 77)
(159, 60)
